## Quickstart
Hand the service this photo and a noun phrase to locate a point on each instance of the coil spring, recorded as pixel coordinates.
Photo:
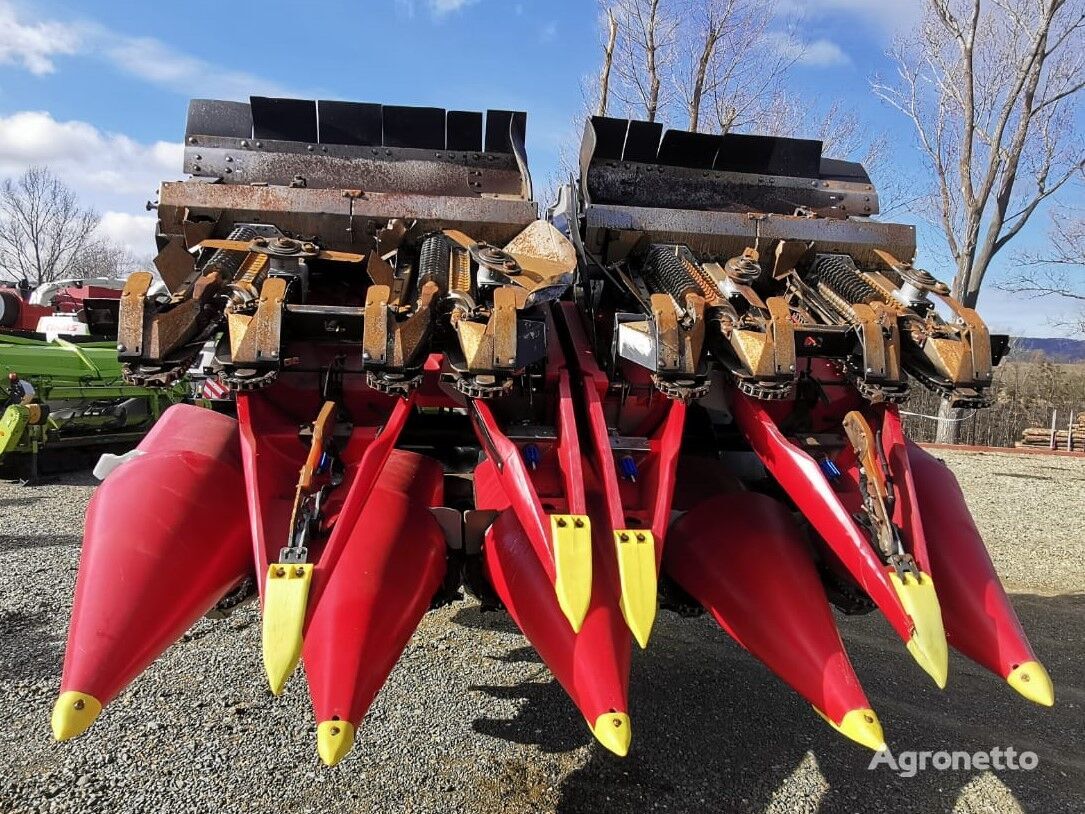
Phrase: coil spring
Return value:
(665, 272)
(839, 274)
(433, 261)
(227, 261)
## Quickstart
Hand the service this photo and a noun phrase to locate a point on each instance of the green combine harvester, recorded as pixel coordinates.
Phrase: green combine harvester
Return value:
(81, 402)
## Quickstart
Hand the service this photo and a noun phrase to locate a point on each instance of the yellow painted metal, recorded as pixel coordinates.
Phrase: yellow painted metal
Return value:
(1032, 681)
(286, 594)
(861, 726)
(636, 550)
(571, 535)
(613, 731)
(73, 714)
(928, 643)
(333, 740)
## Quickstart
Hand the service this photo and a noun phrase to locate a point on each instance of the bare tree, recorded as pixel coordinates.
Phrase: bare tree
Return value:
(990, 87)
(645, 52)
(1058, 270)
(43, 229)
(608, 62)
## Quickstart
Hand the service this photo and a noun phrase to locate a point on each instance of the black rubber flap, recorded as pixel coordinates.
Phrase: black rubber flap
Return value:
(284, 119)
(694, 150)
(770, 155)
(642, 142)
(833, 169)
(354, 123)
(499, 124)
(210, 117)
(418, 127)
(609, 137)
(463, 130)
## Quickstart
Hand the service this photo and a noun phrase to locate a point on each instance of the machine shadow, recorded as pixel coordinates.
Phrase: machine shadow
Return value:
(715, 731)
(32, 649)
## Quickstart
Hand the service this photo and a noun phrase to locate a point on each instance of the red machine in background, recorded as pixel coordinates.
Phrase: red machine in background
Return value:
(679, 392)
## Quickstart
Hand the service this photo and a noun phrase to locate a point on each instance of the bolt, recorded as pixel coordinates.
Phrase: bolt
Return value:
(229, 159)
(244, 143)
(640, 538)
(310, 148)
(260, 241)
(299, 571)
(578, 523)
(198, 157)
(617, 721)
(309, 247)
(280, 572)
(561, 523)
(283, 242)
(334, 730)
(122, 348)
(192, 140)
(623, 537)
(259, 144)
(79, 704)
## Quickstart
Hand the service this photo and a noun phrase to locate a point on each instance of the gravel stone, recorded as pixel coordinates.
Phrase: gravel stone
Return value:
(471, 721)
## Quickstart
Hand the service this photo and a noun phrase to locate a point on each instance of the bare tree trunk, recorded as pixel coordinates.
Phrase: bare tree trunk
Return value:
(700, 74)
(608, 60)
(652, 53)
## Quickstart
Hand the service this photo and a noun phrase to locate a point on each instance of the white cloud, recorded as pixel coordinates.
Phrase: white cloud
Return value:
(107, 170)
(819, 53)
(442, 7)
(892, 15)
(549, 32)
(134, 232)
(33, 45)
(155, 62)
(437, 8)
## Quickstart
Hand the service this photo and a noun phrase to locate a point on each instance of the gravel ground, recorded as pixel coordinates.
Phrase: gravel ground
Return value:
(470, 721)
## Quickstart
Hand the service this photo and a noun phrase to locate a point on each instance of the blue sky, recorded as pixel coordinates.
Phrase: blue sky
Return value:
(98, 89)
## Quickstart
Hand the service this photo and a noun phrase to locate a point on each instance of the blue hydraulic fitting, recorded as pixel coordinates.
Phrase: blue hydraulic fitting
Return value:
(829, 468)
(628, 467)
(532, 456)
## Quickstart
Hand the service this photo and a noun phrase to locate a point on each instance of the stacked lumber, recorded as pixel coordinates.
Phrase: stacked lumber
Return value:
(1040, 437)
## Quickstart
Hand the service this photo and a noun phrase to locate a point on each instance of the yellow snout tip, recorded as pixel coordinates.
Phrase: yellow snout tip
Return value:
(73, 714)
(333, 740)
(861, 726)
(612, 730)
(1032, 681)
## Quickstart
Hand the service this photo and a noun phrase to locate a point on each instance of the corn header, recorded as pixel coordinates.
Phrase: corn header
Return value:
(678, 391)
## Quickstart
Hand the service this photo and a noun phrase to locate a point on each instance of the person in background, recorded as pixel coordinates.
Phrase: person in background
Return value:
(19, 390)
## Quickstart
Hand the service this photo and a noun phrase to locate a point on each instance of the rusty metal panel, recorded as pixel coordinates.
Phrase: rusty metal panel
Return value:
(337, 220)
(675, 187)
(713, 234)
(379, 169)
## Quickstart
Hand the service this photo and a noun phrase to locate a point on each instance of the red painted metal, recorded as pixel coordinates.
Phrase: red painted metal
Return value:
(152, 566)
(391, 565)
(743, 558)
(802, 479)
(980, 622)
(646, 503)
(272, 455)
(592, 665)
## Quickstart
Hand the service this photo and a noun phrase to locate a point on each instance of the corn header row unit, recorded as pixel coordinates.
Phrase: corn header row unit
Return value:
(678, 390)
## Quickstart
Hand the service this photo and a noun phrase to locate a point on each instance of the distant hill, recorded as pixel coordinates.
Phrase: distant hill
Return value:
(1057, 350)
